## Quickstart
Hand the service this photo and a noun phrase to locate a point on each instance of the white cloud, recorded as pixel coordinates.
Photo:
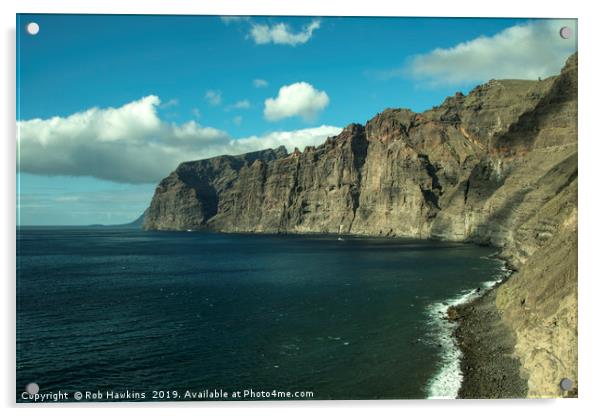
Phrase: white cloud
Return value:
(298, 99)
(169, 103)
(239, 105)
(213, 97)
(260, 83)
(131, 144)
(313, 136)
(234, 19)
(71, 198)
(524, 51)
(281, 34)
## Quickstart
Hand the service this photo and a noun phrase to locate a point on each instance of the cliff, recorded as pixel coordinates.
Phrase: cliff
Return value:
(497, 166)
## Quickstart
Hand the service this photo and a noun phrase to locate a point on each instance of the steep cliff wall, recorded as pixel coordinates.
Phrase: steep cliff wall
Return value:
(498, 166)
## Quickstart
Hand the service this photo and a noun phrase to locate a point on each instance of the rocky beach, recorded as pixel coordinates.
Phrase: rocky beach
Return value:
(488, 364)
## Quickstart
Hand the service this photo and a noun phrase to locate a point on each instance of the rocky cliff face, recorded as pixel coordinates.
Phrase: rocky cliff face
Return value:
(498, 166)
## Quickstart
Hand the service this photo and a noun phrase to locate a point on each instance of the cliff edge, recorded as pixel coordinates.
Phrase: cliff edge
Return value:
(497, 166)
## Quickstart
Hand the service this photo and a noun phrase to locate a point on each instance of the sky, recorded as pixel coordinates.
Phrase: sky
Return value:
(108, 105)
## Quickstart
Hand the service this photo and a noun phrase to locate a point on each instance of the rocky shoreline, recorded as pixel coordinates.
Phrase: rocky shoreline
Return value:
(489, 367)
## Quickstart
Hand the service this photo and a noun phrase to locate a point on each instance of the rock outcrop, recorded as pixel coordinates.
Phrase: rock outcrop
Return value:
(497, 166)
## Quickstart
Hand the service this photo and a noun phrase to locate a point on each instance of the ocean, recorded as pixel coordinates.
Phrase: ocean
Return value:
(162, 314)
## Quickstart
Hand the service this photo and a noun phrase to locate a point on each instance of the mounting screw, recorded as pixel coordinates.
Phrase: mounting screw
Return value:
(566, 384)
(566, 32)
(32, 388)
(32, 28)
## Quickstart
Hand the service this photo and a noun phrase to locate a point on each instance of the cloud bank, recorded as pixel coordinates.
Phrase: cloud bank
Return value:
(298, 99)
(131, 144)
(281, 33)
(525, 51)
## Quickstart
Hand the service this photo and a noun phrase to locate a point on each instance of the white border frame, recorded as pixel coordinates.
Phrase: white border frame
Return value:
(589, 148)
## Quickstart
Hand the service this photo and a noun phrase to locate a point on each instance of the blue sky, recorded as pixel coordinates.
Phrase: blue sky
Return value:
(107, 105)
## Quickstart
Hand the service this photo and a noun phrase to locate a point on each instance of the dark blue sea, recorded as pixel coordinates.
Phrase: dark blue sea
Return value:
(109, 309)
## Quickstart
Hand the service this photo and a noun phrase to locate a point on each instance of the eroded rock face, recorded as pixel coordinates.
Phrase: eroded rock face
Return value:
(190, 196)
(498, 166)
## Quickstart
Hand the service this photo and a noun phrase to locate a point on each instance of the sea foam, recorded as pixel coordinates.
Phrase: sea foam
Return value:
(446, 383)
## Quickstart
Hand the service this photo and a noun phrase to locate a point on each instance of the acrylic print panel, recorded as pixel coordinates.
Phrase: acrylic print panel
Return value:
(295, 208)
